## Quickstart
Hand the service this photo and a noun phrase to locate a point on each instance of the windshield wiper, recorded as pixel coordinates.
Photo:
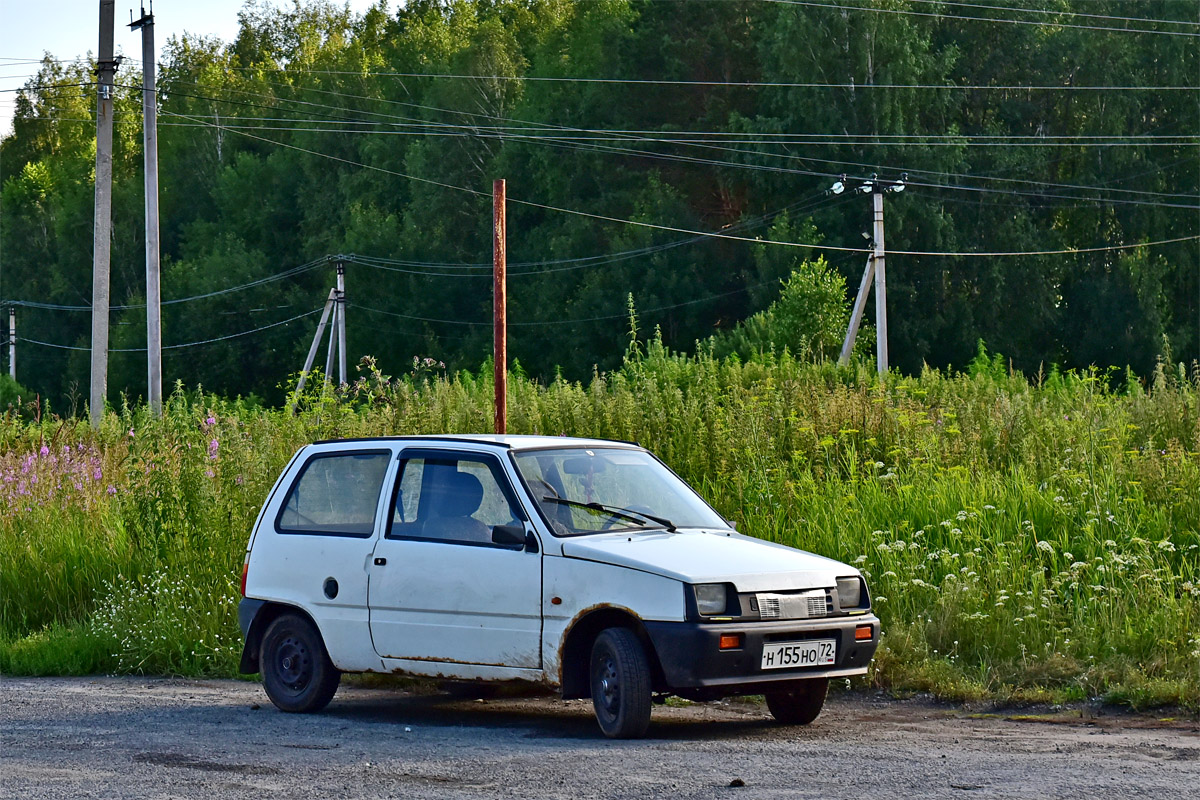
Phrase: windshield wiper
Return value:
(624, 513)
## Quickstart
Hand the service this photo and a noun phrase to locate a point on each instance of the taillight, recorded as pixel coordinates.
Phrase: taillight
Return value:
(245, 571)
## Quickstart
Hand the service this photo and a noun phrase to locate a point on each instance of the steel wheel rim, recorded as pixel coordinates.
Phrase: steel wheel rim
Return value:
(609, 684)
(293, 664)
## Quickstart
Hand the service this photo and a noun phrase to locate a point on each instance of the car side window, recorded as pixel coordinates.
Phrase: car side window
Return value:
(452, 498)
(335, 495)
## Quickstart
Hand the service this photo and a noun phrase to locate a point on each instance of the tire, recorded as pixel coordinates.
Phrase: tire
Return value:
(800, 703)
(296, 671)
(620, 683)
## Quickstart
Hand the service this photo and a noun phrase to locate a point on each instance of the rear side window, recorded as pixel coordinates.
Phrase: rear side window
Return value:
(335, 495)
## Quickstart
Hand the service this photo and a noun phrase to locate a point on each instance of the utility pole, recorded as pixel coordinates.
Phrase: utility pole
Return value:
(106, 67)
(500, 303)
(330, 302)
(150, 155)
(875, 269)
(341, 320)
(856, 315)
(12, 342)
(881, 341)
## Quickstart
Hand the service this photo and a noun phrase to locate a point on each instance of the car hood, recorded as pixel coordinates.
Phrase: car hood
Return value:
(692, 556)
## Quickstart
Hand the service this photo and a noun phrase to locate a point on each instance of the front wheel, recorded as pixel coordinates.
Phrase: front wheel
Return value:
(620, 681)
(800, 703)
(297, 673)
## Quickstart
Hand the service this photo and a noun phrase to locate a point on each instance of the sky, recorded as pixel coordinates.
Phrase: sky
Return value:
(69, 29)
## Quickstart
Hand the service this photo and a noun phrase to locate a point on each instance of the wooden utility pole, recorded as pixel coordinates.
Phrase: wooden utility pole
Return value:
(106, 67)
(499, 304)
(881, 340)
(150, 155)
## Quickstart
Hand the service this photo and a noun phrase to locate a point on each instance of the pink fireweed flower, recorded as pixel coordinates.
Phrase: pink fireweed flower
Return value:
(212, 448)
(45, 450)
(210, 421)
(130, 433)
(97, 474)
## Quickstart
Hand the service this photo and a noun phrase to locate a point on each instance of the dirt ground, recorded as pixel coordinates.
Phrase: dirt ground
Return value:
(150, 738)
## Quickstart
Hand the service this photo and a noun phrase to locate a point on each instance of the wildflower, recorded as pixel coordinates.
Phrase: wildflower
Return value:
(212, 448)
(1166, 546)
(45, 450)
(130, 436)
(210, 421)
(1045, 546)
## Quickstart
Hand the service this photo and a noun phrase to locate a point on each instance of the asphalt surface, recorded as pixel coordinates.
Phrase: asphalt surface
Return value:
(151, 738)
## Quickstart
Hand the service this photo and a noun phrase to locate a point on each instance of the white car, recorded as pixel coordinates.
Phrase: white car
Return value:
(584, 565)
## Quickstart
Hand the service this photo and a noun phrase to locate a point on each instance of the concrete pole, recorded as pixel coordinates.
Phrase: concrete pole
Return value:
(316, 342)
(106, 67)
(12, 342)
(341, 321)
(333, 335)
(500, 303)
(881, 345)
(856, 315)
(150, 153)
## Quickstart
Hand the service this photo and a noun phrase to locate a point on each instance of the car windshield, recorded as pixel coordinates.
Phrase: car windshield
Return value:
(591, 490)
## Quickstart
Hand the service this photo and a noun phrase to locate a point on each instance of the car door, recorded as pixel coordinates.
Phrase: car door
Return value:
(440, 589)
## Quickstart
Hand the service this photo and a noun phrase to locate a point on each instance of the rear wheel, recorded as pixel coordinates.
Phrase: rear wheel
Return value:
(296, 670)
(620, 682)
(800, 703)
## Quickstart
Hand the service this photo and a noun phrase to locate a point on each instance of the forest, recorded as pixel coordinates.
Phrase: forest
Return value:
(672, 155)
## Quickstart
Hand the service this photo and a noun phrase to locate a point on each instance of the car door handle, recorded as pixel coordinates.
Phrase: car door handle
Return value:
(379, 562)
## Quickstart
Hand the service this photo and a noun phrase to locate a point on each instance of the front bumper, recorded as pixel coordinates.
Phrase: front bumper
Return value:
(691, 659)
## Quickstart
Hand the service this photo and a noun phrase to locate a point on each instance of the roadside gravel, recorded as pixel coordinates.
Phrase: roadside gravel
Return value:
(157, 738)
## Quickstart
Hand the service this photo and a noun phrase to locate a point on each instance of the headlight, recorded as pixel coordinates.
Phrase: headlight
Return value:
(710, 598)
(850, 592)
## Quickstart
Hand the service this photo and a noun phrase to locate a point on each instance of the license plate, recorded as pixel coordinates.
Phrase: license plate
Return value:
(810, 653)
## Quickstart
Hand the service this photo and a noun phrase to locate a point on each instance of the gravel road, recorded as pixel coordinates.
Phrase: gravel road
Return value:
(149, 738)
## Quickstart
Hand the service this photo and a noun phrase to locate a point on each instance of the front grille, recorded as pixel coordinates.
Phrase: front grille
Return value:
(794, 606)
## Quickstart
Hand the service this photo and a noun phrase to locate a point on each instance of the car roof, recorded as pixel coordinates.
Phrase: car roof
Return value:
(506, 441)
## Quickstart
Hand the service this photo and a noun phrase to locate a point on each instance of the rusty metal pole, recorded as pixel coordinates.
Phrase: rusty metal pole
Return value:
(499, 304)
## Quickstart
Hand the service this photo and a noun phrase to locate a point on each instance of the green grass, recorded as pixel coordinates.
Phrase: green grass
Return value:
(1022, 539)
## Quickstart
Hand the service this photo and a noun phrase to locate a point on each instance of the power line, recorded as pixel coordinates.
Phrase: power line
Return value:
(178, 346)
(821, 174)
(252, 284)
(733, 84)
(690, 232)
(1082, 14)
(1005, 20)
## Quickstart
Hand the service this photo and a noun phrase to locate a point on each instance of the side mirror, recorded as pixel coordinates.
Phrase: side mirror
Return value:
(508, 534)
(731, 523)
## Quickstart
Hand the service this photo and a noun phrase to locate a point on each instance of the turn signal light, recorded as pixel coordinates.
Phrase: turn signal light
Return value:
(862, 632)
(729, 641)
(245, 572)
